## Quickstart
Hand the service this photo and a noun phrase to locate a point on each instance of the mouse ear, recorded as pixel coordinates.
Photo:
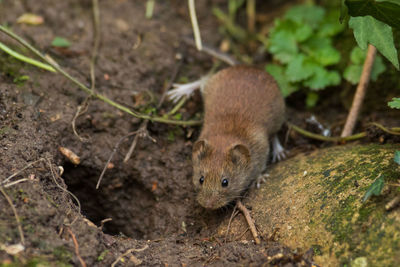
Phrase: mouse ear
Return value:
(200, 150)
(239, 154)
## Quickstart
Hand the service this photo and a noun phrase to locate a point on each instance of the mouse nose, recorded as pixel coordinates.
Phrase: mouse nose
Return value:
(210, 203)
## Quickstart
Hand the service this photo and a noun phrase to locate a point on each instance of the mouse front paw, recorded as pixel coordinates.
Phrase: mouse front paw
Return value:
(262, 178)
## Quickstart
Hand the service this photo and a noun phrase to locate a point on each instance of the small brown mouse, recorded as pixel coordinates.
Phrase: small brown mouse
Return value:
(243, 109)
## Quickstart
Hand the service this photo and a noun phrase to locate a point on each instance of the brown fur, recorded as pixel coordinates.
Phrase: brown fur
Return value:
(243, 107)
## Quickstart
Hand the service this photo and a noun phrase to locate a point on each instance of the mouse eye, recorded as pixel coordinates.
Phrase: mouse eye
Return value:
(201, 180)
(224, 183)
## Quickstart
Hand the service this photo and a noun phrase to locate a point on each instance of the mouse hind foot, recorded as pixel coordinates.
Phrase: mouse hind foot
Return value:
(186, 89)
(278, 152)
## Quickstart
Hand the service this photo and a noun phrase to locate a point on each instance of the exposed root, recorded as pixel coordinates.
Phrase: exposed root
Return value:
(83, 264)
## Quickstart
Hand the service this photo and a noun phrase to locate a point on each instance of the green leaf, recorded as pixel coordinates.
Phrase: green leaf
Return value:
(375, 188)
(352, 73)
(369, 30)
(322, 51)
(395, 103)
(377, 68)
(284, 85)
(303, 32)
(357, 55)
(397, 156)
(282, 45)
(322, 78)
(330, 26)
(312, 99)
(308, 14)
(300, 68)
(60, 42)
(20, 80)
(387, 11)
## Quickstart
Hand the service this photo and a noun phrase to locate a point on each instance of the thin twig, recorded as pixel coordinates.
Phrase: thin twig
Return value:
(195, 25)
(127, 252)
(88, 91)
(141, 132)
(360, 92)
(16, 182)
(21, 233)
(76, 247)
(112, 155)
(249, 220)
(234, 213)
(224, 57)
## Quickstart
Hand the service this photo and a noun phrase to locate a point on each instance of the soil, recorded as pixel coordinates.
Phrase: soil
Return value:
(150, 198)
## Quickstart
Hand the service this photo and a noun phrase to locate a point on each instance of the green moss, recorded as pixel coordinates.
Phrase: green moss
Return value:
(317, 249)
(62, 254)
(102, 255)
(338, 223)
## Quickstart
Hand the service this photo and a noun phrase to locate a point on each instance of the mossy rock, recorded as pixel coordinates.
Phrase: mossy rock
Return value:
(316, 201)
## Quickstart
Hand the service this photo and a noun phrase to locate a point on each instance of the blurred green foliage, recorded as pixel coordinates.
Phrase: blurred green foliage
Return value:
(302, 47)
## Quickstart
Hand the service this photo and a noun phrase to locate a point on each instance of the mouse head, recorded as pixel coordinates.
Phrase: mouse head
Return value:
(220, 175)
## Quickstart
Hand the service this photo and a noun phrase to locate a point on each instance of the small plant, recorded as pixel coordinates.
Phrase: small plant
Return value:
(60, 42)
(301, 45)
(375, 188)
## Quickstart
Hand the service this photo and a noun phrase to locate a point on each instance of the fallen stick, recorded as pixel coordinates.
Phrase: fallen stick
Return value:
(249, 220)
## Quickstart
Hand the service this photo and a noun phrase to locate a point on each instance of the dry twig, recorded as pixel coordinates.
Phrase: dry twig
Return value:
(249, 220)
(76, 247)
(360, 92)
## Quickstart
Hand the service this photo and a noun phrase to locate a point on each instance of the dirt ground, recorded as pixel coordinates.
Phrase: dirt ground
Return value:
(150, 198)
